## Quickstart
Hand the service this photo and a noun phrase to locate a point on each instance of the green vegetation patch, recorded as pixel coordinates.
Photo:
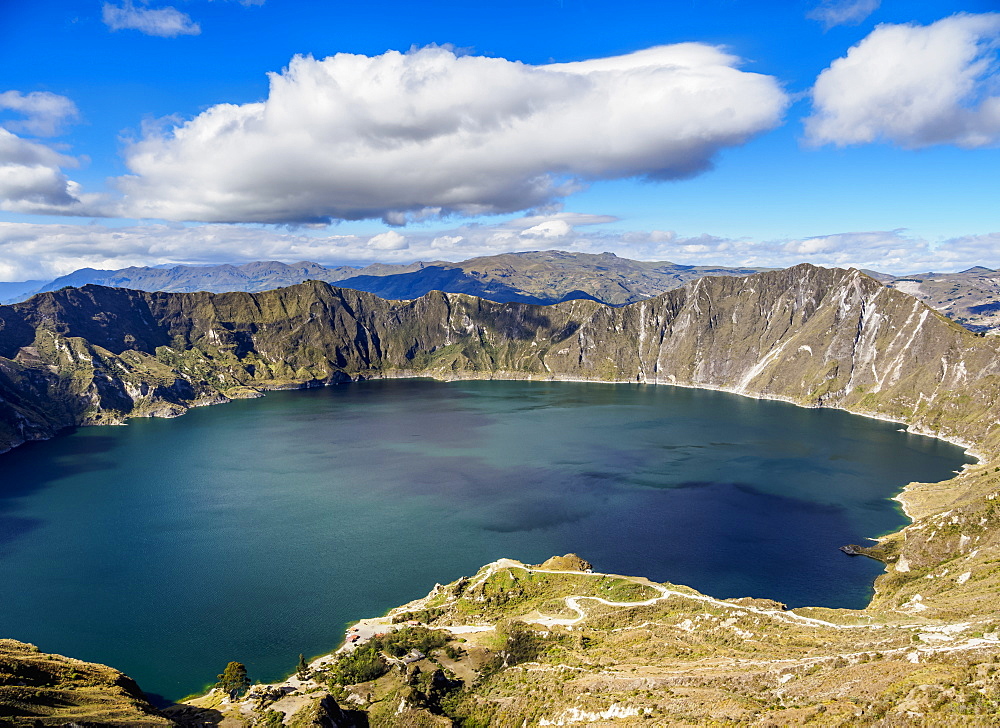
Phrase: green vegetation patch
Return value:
(515, 592)
(405, 640)
(359, 665)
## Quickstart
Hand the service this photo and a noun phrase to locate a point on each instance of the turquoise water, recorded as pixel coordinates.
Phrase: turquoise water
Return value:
(255, 530)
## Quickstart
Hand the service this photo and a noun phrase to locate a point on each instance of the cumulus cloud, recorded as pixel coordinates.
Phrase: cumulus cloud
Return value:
(571, 219)
(882, 250)
(31, 173)
(167, 22)
(550, 229)
(887, 251)
(44, 251)
(388, 241)
(429, 133)
(843, 12)
(32, 180)
(45, 114)
(915, 86)
(896, 251)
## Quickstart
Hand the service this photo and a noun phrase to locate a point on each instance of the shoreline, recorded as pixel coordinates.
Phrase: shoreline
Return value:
(252, 393)
(967, 448)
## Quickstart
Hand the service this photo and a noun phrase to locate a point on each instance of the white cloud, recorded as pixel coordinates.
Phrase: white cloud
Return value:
(447, 241)
(843, 12)
(167, 22)
(882, 250)
(31, 173)
(388, 241)
(572, 219)
(428, 133)
(45, 113)
(914, 86)
(43, 251)
(548, 230)
(31, 178)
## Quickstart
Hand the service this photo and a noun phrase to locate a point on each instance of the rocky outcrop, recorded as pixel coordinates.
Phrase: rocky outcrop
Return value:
(42, 689)
(569, 562)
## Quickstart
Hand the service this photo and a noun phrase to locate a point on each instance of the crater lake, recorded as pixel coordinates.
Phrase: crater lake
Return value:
(257, 530)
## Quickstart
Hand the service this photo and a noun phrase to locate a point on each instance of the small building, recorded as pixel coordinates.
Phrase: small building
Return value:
(413, 656)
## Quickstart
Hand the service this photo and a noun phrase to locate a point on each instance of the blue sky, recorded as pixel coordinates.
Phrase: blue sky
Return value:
(843, 132)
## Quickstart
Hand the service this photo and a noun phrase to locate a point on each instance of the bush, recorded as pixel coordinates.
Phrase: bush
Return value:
(358, 666)
(520, 645)
(402, 641)
(271, 719)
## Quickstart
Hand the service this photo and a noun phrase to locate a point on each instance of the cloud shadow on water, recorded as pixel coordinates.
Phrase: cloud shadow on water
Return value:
(35, 466)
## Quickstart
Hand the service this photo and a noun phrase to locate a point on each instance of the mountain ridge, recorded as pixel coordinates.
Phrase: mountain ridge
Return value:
(541, 277)
(344, 331)
(971, 297)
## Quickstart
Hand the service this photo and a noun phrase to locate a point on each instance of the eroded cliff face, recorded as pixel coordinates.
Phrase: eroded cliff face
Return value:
(810, 335)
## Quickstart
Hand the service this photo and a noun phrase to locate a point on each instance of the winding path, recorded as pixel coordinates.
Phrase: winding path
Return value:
(573, 602)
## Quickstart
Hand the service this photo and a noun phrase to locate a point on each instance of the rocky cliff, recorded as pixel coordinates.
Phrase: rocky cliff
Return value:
(810, 335)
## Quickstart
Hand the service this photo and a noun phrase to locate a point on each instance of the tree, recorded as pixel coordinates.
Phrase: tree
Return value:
(303, 668)
(234, 679)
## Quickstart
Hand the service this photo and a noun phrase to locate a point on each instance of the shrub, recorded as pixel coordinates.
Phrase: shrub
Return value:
(358, 666)
(401, 641)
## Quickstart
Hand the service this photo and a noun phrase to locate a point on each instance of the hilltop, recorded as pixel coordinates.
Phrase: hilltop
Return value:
(516, 645)
(540, 277)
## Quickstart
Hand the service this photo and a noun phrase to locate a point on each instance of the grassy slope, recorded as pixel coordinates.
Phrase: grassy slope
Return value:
(41, 689)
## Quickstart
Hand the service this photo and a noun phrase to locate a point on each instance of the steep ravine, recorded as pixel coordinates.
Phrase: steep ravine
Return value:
(812, 336)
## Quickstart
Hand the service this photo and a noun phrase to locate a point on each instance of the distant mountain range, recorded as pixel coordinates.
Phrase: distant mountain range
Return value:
(537, 277)
(19, 291)
(971, 297)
